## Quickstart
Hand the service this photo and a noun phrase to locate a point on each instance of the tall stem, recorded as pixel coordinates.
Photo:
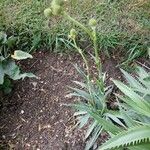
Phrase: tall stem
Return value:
(84, 59)
(97, 58)
(78, 24)
(93, 37)
(88, 71)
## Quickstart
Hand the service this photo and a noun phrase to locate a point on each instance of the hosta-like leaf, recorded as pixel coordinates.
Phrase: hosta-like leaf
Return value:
(20, 55)
(23, 75)
(10, 68)
(130, 137)
(13, 71)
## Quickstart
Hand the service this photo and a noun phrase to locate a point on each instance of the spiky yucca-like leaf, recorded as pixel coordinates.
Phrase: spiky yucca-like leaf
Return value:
(136, 135)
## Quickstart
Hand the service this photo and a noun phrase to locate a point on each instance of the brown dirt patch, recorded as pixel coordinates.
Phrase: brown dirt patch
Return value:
(34, 116)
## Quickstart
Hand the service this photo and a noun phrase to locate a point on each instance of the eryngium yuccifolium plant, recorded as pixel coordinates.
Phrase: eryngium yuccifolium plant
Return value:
(92, 101)
(56, 9)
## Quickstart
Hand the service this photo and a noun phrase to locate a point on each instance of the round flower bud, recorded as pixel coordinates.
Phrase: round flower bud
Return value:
(48, 12)
(92, 22)
(58, 2)
(56, 10)
(72, 34)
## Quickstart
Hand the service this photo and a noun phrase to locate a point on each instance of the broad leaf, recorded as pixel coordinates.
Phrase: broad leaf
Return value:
(20, 55)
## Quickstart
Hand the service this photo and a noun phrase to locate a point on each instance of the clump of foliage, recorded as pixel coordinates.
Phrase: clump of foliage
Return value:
(126, 129)
(8, 67)
(135, 113)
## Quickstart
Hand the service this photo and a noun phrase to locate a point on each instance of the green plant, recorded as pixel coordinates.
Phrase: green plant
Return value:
(92, 110)
(135, 112)
(94, 95)
(8, 66)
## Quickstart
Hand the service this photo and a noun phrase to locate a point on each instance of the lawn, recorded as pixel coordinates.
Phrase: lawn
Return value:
(124, 24)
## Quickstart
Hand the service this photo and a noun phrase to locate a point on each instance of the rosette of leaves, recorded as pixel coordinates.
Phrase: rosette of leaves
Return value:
(135, 112)
(8, 67)
(92, 110)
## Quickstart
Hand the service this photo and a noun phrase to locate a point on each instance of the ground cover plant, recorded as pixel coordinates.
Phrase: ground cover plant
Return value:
(93, 110)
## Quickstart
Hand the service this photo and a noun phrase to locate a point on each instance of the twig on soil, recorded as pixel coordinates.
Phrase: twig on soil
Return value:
(34, 64)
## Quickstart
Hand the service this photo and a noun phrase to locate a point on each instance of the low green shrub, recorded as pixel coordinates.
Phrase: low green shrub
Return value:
(8, 67)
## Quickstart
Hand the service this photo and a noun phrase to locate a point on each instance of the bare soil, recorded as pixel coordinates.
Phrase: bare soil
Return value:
(35, 115)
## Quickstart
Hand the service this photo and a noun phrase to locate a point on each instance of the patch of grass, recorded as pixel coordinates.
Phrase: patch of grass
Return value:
(119, 22)
(124, 23)
(25, 20)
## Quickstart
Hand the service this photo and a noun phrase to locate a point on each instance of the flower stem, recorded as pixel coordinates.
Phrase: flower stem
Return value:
(83, 57)
(97, 58)
(88, 71)
(78, 24)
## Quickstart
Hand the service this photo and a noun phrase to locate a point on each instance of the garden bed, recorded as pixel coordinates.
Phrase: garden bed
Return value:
(35, 115)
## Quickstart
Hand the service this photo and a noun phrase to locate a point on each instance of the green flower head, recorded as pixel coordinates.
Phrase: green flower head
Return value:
(92, 22)
(58, 2)
(56, 10)
(56, 6)
(72, 34)
(48, 12)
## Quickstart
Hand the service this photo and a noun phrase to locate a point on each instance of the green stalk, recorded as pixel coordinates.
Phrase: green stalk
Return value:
(78, 24)
(98, 60)
(93, 37)
(83, 57)
(88, 71)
